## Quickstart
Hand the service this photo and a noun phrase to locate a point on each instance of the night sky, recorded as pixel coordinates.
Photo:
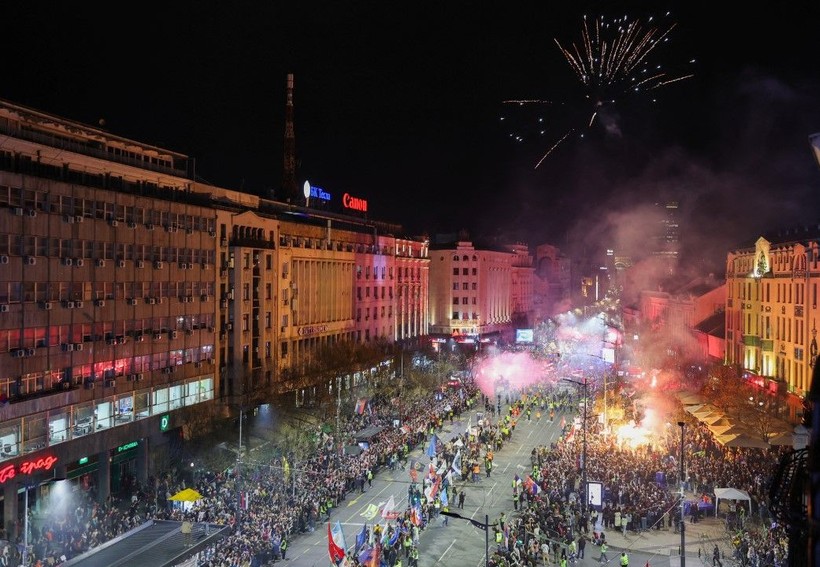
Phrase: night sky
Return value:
(401, 104)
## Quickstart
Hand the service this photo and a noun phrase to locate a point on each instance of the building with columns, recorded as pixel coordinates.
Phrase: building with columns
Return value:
(133, 298)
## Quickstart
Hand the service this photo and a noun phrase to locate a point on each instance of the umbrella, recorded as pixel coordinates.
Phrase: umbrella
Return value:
(733, 429)
(745, 440)
(705, 410)
(693, 409)
(690, 399)
(187, 495)
(782, 438)
(717, 421)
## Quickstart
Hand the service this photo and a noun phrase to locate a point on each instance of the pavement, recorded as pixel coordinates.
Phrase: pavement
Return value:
(699, 542)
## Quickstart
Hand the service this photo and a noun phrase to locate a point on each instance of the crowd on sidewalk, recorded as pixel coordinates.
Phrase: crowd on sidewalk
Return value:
(640, 493)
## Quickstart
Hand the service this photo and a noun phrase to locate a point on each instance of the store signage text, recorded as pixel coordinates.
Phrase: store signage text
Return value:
(319, 193)
(127, 446)
(355, 203)
(311, 330)
(26, 467)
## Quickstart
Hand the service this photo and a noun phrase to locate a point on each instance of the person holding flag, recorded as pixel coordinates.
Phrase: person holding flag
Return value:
(335, 543)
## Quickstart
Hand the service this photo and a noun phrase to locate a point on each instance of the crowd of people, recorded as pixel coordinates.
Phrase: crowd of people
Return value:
(282, 499)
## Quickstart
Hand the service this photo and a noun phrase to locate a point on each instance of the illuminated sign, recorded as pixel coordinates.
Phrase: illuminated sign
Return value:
(127, 446)
(355, 203)
(26, 467)
(311, 330)
(164, 422)
(83, 461)
(314, 192)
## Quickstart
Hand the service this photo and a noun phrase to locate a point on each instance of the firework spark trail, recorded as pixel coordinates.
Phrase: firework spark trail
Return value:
(549, 151)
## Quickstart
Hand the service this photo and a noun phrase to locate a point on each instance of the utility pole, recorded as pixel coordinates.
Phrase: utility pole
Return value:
(682, 522)
(584, 495)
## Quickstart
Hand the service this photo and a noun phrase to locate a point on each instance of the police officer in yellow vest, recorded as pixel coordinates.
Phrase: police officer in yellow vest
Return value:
(624, 559)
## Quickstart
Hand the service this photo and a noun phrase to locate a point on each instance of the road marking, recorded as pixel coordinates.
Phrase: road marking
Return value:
(446, 550)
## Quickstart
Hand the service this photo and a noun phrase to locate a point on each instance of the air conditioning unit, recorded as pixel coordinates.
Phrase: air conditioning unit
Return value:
(189, 332)
(212, 234)
(4, 259)
(205, 266)
(197, 364)
(32, 213)
(78, 346)
(140, 264)
(18, 353)
(68, 304)
(223, 303)
(110, 383)
(174, 334)
(120, 263)
(111, 341)
(30, 352)
(168, 370)
(100, 263)
(157, 336)
(183, 299)
(223, 241)
(203, 298)
(189, 231)
(47, 305)
(151, 301)
(67, 347)
(68, 218)
(182, 265)
(158, 265)
(88, 383)
(78, 304)
(31, 260)
(131, 378)
(18, 211)
(139, 338)
(132, 225)
(132, 301)
(160, 300)
(78, 219)
(79, 262)
(99, 303)
(149, 226)
(4, 308)
(68, 262)
(114, 223)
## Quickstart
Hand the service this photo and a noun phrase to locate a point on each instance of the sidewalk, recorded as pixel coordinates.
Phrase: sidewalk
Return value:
(699, 541)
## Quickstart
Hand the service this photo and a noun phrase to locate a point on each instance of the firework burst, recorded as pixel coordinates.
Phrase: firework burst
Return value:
(612, 60)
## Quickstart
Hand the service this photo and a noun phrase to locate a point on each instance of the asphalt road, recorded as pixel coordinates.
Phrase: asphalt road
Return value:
(458, 543)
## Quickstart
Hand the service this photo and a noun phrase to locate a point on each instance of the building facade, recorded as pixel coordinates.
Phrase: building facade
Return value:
(771, 311)
(133, 296)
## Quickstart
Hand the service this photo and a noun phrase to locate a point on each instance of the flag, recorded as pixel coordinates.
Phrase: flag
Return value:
(445, 500)
(370, 512)
(389, 511)
(361, 537)
(361, 404)
(394, 538)
(443, 468)
(375, 558)
(244, 499)
(431, 449)
(563, 421)
(286, 467)
(457, 463)
(415, 514)
(432, 490)
(336, 551)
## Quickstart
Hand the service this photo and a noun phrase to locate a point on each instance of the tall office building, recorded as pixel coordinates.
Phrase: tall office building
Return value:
(134, 299)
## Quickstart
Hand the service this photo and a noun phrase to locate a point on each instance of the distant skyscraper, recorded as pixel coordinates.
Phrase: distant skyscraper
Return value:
(290, 189)
(667, 237)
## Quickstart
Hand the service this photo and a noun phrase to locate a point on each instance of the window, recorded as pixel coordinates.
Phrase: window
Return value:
(465, 271)
(475, 271)
(455, 271)
(455, 300)
(455, 315)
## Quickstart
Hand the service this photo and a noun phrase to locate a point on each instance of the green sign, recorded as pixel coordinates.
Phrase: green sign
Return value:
(164, 422)
(127, 446)
(82, 461)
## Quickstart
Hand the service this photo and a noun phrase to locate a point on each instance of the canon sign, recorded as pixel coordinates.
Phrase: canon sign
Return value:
(354, 203)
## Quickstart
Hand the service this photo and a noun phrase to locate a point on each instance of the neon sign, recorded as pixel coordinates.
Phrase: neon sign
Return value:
(355, 203)
(127, 446)
(27, 467)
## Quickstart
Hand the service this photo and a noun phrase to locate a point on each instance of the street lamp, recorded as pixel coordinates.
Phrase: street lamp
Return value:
(584, 452)
(682, 522)
(485, 526)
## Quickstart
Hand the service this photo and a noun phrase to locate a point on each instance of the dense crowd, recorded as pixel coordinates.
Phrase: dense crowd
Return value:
(283, 499)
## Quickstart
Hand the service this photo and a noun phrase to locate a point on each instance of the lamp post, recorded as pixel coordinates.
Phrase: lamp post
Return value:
(682, 522)
(584, 500)
(485, 526)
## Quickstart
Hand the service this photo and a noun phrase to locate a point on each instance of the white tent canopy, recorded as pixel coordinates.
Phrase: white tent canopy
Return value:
(732, 494)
